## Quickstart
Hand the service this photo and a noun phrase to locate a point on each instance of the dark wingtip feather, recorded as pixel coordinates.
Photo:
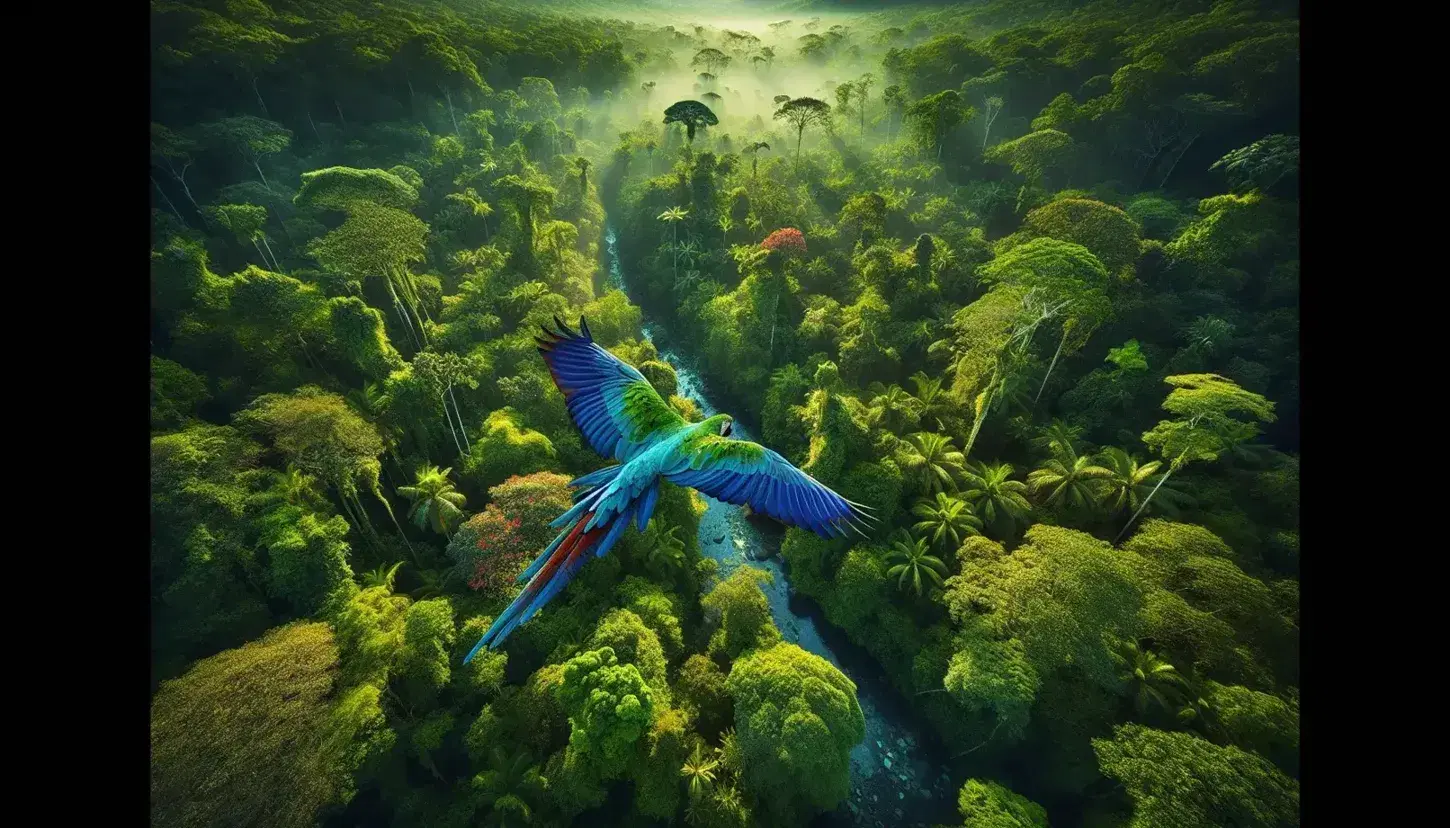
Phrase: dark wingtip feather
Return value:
(565, 328)
(584, 326)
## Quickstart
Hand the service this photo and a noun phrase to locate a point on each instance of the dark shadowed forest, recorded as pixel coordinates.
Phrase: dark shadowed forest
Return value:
(1020, 276)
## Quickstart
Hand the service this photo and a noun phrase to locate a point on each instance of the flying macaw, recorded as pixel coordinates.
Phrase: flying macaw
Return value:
(622, 416)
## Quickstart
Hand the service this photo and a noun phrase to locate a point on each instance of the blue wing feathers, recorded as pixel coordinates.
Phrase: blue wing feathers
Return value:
(772, 486)
(593, 382)
(647, 506)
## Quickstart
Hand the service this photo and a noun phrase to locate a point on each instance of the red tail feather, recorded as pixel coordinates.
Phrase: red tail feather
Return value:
(573, 546)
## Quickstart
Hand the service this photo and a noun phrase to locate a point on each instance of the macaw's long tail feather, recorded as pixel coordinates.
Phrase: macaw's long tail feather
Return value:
(593, 481)
(552, 571)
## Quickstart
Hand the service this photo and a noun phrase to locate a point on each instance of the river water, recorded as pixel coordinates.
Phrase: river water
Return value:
(896, 779)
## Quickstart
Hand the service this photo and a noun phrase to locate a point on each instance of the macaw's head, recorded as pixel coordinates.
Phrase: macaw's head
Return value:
(721, 424)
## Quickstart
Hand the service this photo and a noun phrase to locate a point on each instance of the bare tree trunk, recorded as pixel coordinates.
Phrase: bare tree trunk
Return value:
(167, 199)
(451, 432)
(1146, 501)
(1050, 366)
(1174, 165)
(398, 306)
(389, 507)
(308, 354)
(977, 426)
(257, 163)
(458, 412)
(314, 126)
(275, 264)
(181, 179)
(338, 107)
(451, 116)
(260, 254)
(259, 97)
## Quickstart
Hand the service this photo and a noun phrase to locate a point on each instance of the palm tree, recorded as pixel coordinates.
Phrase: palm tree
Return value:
(666, 552)
(507, 786)
(433, 583)
(753, 150)
(700, 769)
(1195, 711)
(435, 502)
(295, 488)
(383, 576)
(933, 400)
(995, 496)
(674, 216)
(1149, 678)
(1069, 478)
(893, 407)
(1059, 435)
(1208, 334)
(475, 205)
(1128, 483)
(946, 518)
(909, 559)
(935, 460)
(373, 402)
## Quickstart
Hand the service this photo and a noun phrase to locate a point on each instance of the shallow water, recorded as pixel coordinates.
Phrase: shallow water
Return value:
(895, 779)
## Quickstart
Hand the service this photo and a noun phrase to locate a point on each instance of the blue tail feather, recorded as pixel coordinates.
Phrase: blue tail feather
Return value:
(647, 506)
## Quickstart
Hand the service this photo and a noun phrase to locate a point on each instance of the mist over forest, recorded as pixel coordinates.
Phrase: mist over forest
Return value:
(963, 338)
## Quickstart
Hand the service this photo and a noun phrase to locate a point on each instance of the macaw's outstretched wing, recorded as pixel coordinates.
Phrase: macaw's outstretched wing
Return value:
(615, 407)
(739, 471)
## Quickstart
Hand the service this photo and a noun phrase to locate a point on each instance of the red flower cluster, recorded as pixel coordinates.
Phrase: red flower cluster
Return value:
(504, 551)
(494, 574)
(787, 240)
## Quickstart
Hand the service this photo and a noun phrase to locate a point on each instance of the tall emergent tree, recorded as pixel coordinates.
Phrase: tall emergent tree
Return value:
(934, 116)
(801, 113)
(692, 114)
(1206, 426)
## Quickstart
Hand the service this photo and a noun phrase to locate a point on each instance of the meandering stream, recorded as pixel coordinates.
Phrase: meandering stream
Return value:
(896, 780)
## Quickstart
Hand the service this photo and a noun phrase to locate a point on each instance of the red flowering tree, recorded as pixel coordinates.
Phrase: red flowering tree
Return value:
(495, 545)
(501, 552)
(787, 241)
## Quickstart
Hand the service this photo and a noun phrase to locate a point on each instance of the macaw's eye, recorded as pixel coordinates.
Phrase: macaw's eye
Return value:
(725, 429)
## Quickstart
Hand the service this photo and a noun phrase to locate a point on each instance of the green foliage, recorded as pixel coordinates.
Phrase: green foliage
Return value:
(345, 188)
(435, 503)
(1176, 779)
(797, 719)
(246, 734)
(740, 613)
(175, 394)
(1257, 722)
(508, 448)
(634, 643)
(424, 663)
(985, 804)
(910, 563)
(1159, 217)
(1206, 405)
(307, 557)
(609, 706)
(1107, 232)
(701, 689)
(1064, 594)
